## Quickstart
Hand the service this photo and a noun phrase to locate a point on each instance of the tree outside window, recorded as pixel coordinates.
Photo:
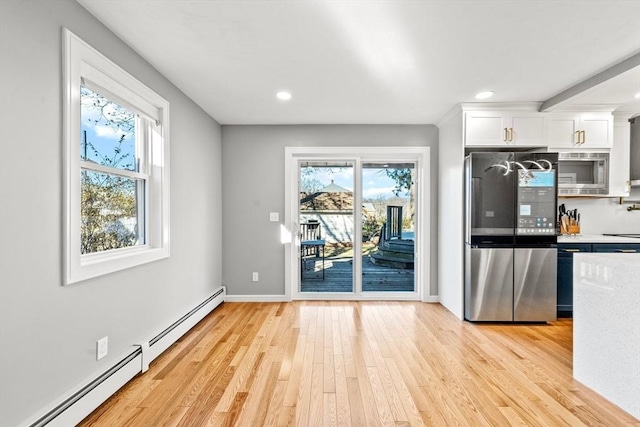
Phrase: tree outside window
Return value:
(109, 201)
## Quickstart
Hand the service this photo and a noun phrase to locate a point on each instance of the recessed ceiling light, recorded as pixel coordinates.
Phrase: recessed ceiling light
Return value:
(484, 95)
(283, 96)
(637, 95)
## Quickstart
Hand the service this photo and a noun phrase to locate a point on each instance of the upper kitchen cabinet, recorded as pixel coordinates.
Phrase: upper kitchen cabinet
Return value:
(504, 128)
(619, 164)
(584, 131)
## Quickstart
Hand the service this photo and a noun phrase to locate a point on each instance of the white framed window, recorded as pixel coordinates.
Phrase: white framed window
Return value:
(116, 143)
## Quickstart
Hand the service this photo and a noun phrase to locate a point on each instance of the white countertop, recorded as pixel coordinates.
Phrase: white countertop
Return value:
(596, 238)
(606, 326)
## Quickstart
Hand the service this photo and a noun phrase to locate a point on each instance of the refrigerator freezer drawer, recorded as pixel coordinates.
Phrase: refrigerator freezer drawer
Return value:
(489, 284)
(535, 284)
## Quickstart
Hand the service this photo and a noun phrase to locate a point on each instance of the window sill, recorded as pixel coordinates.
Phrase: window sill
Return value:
(94, 265)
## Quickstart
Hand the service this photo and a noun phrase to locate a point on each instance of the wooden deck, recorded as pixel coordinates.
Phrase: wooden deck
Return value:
(338, 276)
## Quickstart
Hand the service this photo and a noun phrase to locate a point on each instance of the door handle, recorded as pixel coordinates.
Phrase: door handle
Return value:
(578, 137)
(584, 138)
(504, 134)
(627, 251)
(571, 250)
(510, 133)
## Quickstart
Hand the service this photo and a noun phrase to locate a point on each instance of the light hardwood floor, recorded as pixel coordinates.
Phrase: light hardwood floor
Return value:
(363, 364)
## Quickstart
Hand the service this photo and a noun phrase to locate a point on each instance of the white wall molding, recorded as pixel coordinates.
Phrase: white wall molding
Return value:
(258, 298)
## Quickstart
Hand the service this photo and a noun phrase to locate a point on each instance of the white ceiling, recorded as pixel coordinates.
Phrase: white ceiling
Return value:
(377, 61)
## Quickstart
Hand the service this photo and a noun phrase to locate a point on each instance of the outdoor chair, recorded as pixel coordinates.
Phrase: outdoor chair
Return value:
(311, 245)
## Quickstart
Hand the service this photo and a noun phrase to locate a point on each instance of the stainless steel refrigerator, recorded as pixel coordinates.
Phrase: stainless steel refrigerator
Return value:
(510, 236)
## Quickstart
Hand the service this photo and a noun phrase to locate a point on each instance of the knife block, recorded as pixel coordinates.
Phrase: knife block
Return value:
(572, 228)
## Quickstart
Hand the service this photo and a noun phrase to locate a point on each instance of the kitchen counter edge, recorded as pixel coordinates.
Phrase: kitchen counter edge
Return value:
(597, 238)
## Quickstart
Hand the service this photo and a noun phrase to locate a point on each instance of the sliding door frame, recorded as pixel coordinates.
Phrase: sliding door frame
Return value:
(290, 227)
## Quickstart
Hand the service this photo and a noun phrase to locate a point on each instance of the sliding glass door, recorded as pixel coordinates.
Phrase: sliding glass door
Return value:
(354, 219)
(326, 218)
(388, 232)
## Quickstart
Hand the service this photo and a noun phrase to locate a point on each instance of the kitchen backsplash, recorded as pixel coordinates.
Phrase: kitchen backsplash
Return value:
(605, 215)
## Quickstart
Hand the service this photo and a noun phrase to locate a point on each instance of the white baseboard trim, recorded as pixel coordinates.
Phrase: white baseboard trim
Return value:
(379, 296)
(319, 296)
(77, 405)
(257, 298)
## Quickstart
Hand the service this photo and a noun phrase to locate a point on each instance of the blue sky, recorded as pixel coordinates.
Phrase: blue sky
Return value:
(100, 134)
(374, 184)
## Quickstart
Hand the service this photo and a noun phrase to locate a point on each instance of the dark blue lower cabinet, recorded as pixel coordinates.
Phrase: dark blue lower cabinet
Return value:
(616, 247)
(565, 268)
(565, 275)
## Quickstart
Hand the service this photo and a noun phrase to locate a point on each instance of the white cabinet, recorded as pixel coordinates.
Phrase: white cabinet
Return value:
(579, 130)
(504, 128)
(619, 165)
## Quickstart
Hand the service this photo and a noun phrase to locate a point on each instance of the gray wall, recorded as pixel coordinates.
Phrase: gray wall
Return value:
(253, 186)
(48, 332)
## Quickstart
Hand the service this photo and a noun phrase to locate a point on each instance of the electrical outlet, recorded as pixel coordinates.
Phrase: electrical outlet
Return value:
(255, 276)
(274, 216)
(102, 348)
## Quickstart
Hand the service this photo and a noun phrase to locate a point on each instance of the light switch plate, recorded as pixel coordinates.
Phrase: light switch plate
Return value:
(274, 216)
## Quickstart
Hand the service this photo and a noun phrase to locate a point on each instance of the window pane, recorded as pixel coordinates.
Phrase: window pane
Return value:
(111, 208)
(326, 226)
(388, 236)
(107, 132)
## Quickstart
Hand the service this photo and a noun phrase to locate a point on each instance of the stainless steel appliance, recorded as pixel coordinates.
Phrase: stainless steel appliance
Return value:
(583, 173)
(510, 237)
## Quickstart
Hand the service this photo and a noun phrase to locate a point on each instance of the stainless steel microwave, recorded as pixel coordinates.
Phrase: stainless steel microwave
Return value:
(583, 173)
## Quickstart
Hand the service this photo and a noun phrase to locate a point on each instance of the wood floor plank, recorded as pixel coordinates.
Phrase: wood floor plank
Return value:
(316, 401)
(356, 406)
(303, 401)
(275, 404)
(294, 378)
(410, 409)
(329, 415)
(367, 363)
(343, 411)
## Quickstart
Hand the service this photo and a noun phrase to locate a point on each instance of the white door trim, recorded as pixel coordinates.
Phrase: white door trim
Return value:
(421, 155)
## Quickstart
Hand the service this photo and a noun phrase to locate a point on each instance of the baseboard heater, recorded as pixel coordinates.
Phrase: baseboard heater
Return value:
(81, 403)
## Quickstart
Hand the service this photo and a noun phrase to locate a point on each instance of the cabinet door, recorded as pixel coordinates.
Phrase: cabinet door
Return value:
(565, 285)
(598, 130)
(565, 275)
(527, 129)
(617, 247)
(619, 164)
(487, 128)
(562, 130)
